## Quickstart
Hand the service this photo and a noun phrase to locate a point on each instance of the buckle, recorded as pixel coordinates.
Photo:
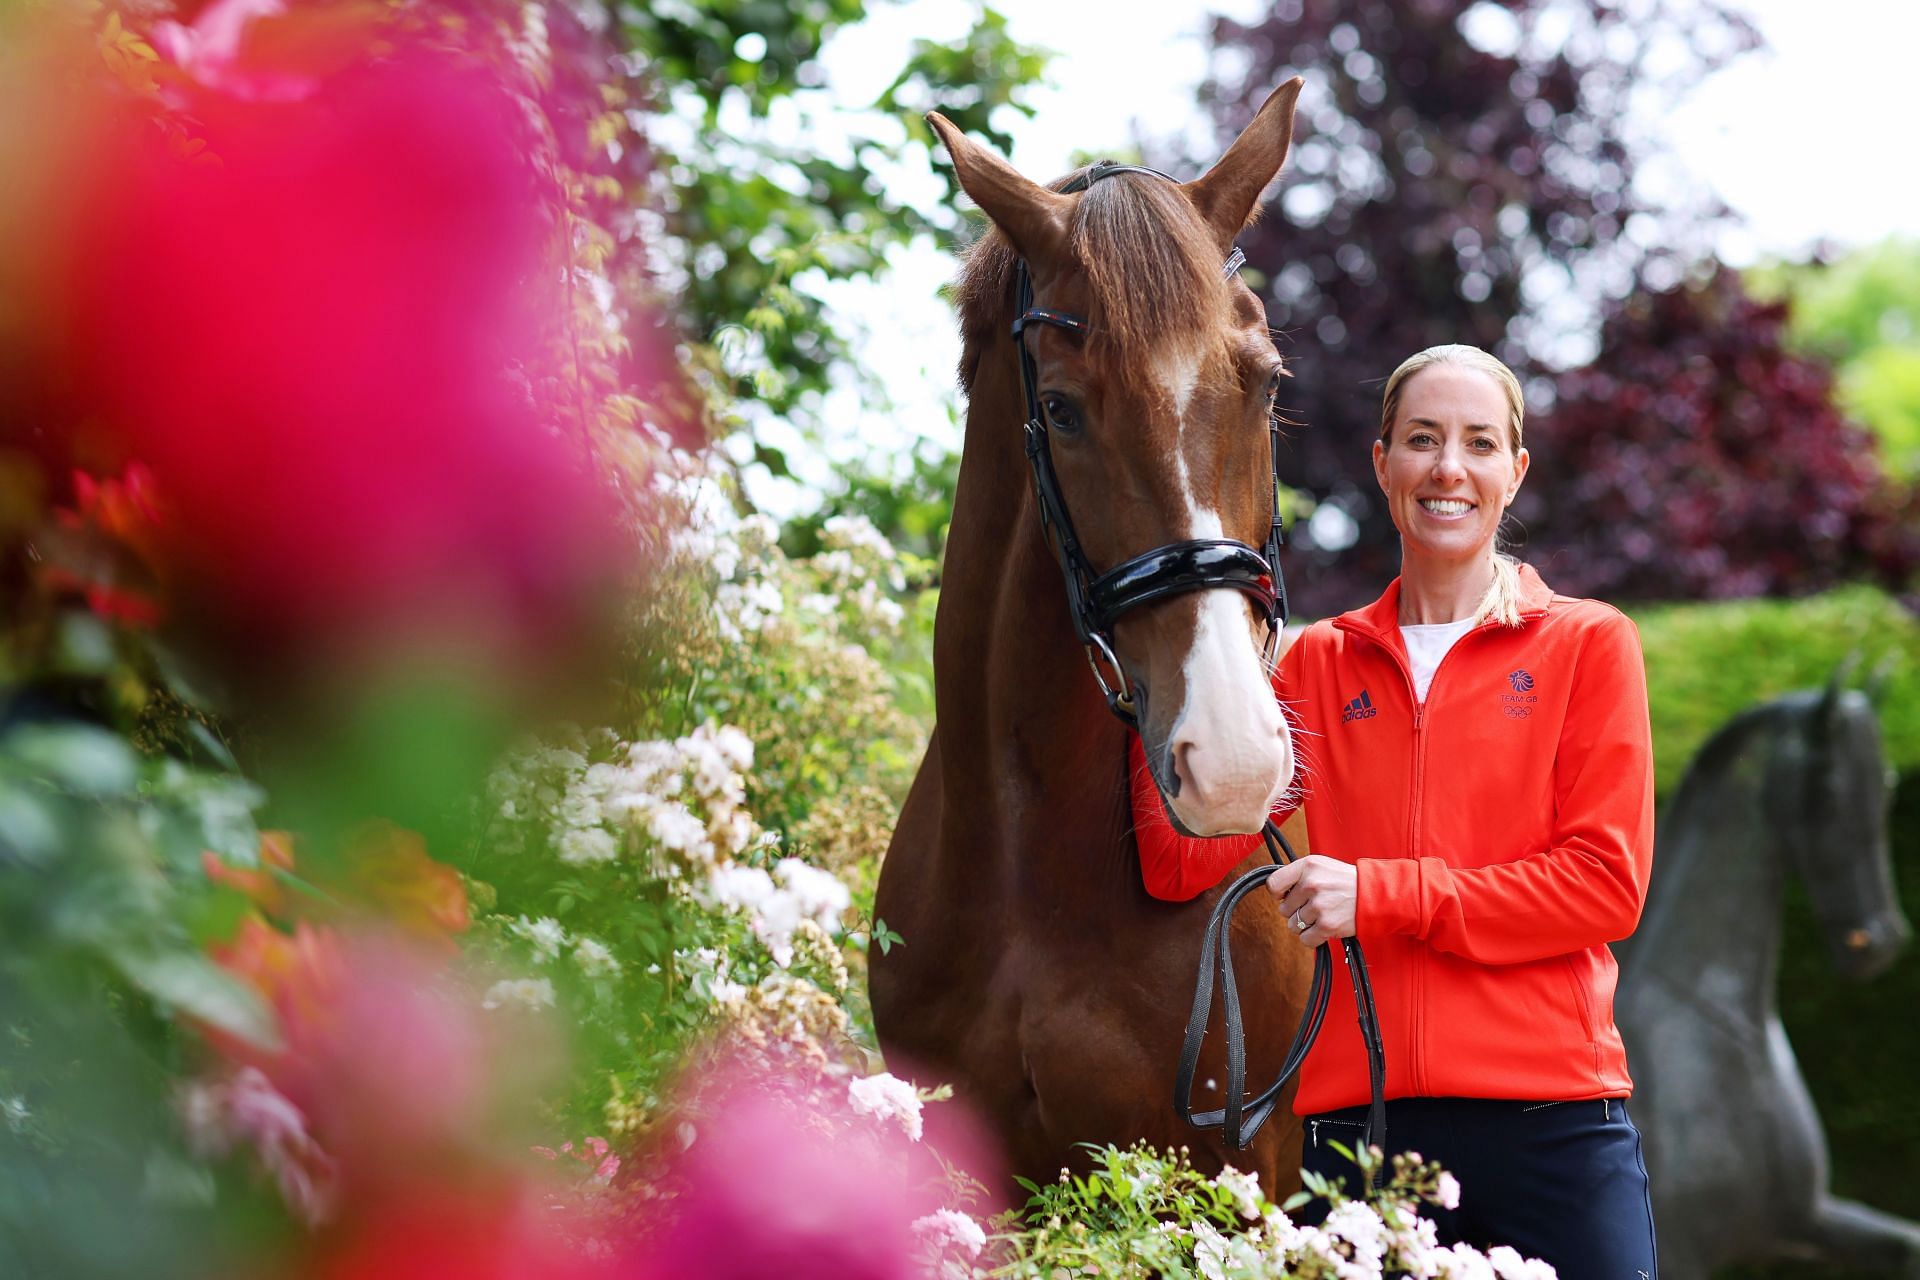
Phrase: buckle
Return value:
(1119, 700)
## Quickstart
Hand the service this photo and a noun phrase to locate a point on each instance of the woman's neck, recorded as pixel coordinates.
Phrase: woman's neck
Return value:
(1433, 592)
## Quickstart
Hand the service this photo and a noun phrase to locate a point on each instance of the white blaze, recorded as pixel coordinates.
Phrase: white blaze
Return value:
(1230, 744)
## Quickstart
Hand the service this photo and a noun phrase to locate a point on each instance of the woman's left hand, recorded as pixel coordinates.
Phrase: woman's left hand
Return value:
(1317, 897)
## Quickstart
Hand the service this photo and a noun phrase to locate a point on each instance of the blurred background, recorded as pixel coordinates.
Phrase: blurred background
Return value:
(473, 479)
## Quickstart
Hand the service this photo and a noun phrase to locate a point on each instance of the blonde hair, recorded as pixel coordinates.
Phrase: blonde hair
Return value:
(1502, 601)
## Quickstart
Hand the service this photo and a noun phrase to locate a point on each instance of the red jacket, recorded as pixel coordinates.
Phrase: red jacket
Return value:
(1503, 835)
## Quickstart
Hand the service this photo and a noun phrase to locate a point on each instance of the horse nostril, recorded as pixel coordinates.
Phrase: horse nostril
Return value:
(1179, 775)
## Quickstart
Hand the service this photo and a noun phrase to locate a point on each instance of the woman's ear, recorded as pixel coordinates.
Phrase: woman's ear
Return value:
(1380, 464)
(1521, 461)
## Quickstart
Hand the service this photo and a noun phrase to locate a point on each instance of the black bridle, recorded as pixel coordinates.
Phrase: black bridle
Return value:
(1096, 600)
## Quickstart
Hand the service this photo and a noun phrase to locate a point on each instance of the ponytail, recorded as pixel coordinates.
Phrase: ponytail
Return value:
(1502, 601)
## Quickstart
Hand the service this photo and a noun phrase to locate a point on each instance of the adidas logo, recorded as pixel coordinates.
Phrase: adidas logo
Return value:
(1361, 708)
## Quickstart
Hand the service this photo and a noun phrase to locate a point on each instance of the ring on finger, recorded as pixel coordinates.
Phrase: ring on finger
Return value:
(1302, 923)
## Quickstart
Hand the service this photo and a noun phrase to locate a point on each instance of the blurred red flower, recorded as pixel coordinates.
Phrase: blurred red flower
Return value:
(333, 350)
(300, 975)
(258, 882)
(728, 1206)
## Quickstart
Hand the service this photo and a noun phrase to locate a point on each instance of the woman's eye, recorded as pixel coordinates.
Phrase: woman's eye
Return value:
(1061, 413)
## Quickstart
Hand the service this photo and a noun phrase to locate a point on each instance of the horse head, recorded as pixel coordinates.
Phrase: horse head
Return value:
(1830, 787)
(1157, 415)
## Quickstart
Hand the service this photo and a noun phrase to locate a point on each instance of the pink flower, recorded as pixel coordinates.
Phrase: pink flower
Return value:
(946, 1230)
(734, 1213)
(246, 1110)
(1448, 1192)
(886, 1097)
(329, 349)
(211, 52)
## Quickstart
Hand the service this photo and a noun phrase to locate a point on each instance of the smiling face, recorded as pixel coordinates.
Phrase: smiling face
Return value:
(1449, 464)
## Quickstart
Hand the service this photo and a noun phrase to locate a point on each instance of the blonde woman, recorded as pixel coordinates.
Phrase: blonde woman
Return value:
(1478, 782)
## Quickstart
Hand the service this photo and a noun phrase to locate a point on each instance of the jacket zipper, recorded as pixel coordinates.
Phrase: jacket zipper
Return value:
(1416, 1034)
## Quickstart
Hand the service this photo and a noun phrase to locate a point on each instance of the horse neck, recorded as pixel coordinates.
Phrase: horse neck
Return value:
(1034, 764)
(1712, 927)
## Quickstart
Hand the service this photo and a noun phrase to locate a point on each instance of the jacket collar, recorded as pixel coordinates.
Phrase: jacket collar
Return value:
(1381, 619)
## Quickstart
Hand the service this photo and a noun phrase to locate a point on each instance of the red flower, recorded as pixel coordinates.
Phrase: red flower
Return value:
(258, 883)
(330, 350)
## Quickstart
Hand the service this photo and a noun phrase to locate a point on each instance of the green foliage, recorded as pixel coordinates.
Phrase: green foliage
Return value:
(1881, 387)
(1861, 311)
(91, 868)
(100, 887)
(1112, 1221)
(768, 188)
(913, 511)
(1708, 662)
(1141, 1212)
(969, 83)
(642, 876)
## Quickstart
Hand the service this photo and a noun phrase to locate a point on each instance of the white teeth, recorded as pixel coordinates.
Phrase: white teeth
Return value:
(1446, 506)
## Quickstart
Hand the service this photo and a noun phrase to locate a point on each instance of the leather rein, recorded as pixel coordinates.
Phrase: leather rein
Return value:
(1096, 601)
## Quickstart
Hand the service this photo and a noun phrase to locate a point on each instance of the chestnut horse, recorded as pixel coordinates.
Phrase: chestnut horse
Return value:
(1037, 976)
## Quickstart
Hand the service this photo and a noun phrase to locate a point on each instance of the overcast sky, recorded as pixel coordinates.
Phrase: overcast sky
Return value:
(1808, 139)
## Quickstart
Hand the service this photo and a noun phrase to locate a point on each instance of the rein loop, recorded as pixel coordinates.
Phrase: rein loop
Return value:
(1242, 1116)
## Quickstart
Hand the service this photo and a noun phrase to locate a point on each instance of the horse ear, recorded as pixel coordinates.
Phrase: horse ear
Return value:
(1830, 696)
(1228, 194)
(1032, 217)
(1880, 677)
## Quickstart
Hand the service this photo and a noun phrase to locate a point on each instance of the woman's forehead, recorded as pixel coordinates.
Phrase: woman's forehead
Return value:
(1449, 394)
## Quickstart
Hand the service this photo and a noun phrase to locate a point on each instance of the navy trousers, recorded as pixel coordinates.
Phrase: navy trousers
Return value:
(1561, 1181)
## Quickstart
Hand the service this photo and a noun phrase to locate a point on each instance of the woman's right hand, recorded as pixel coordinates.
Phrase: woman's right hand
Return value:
(1319, 897)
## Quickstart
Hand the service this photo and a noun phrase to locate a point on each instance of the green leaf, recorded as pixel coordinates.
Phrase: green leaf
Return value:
(77, 758)
(28, 832)
(773, 460)
(84, 646)
(188, 981)
(209, 742)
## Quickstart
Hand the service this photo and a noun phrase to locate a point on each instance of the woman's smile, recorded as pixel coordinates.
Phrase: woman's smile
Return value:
(1446, 508)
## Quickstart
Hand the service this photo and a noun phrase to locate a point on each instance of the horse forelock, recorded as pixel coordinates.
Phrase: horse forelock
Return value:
(1151, 268)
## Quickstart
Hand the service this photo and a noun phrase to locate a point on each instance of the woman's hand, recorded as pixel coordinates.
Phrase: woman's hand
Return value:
(1317, 897)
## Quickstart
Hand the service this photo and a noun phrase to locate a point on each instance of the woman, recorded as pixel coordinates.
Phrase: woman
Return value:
(1477, 775)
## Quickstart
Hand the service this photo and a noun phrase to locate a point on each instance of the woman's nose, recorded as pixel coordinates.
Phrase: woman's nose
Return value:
(1448, 465)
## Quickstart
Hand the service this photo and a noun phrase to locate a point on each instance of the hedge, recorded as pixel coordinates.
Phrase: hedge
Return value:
(1708, 662)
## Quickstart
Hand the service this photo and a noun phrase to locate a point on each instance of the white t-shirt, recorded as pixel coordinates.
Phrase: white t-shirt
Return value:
(1426, 645)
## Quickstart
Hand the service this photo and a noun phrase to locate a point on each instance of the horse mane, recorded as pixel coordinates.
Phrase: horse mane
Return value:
(1730, 739)
(1149, 260)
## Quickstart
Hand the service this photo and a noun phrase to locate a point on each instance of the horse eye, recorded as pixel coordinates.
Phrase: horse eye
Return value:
(1061, 413)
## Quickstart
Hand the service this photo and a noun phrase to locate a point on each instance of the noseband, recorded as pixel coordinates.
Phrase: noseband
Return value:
(1096, 601)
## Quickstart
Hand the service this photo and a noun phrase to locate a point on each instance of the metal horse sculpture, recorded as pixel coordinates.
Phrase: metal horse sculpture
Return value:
(1037, 976)
(1735, 1151)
